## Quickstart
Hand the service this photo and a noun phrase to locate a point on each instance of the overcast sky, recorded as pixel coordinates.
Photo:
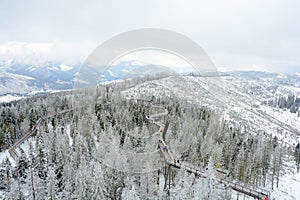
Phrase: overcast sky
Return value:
(236, 34)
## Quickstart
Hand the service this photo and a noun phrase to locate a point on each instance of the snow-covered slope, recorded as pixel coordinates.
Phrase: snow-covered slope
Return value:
(239, 99)
(243, 104)
(22, 78)
(15, 83)
(243, 107)
(131, 69)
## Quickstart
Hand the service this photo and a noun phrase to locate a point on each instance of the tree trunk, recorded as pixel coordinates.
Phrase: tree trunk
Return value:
(32, 185)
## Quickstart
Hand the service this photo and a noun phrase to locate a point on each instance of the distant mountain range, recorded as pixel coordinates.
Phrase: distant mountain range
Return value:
(23, 79)
(131, 69)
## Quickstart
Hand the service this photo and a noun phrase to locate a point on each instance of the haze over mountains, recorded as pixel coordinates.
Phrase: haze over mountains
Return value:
(257, 106)
(23, 79)
(59, 76)
(150, 126)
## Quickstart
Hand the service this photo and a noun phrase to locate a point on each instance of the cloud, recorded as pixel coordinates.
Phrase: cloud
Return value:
(157, 57)
(39, 53)
(250, 33)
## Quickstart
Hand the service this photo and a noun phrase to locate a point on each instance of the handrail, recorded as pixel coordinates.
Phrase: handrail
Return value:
(259, 194)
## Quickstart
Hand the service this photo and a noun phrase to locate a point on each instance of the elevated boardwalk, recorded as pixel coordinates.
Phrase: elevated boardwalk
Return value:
(31, 132)
(217, 175)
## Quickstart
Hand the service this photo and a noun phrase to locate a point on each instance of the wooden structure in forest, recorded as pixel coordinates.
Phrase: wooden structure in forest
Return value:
(31, 132)
(218, 175)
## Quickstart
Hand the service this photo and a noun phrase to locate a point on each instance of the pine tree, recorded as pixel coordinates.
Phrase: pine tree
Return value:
(297, 156)
(22, 167)
(32, 118)
(8, 174)
(32, 163)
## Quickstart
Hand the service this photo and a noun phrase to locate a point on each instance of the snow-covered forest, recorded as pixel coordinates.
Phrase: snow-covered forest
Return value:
(105, 148)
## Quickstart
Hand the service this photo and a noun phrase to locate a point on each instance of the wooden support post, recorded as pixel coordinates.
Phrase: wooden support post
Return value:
(169, 179)
(158, 174)
(147, 184)
(166, 177)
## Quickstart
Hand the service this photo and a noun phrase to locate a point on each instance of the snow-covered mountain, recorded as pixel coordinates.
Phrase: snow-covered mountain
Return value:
(244, 101)
(131, 69)
(21, 79)
(237, 128)
(244, 108)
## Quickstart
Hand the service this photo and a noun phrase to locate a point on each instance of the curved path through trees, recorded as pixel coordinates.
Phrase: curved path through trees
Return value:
(170, 160)
(31, 132)
(217, 175)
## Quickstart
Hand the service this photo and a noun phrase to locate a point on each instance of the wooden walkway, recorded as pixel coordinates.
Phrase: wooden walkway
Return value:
(12, 150)
(217, 175)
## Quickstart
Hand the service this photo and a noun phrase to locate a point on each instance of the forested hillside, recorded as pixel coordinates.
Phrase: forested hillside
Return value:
(104, 147)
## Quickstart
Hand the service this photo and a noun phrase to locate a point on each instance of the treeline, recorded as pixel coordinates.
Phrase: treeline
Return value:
(290, 102)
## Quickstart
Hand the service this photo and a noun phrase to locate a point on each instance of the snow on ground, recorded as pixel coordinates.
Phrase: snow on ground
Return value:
(5, 154)
(243, 108)
(289, 187)
(288, 90)
(289, 184)
(68, 133)
(65, 67)
(12, 97)
(35, 92)
(111, 73)
(283, 120)
(25, 145)
(9, 97)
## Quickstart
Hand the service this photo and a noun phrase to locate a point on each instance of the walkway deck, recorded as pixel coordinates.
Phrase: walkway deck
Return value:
(219, 176)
